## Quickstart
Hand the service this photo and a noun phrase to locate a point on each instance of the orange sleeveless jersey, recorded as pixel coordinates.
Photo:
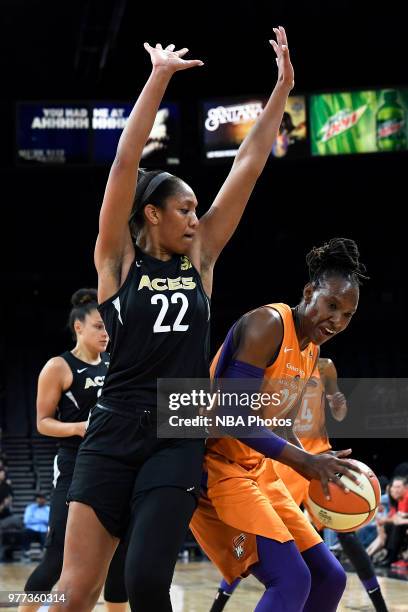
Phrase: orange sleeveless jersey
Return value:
(310, 422)
(310, 429)
(245, 496)
(287, 375)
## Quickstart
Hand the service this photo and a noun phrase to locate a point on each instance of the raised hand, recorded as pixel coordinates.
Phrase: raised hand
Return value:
(170, 59)
(285, 69)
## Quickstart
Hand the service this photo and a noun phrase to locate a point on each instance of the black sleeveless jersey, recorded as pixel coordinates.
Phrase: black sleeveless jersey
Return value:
(158, 323)
(77, 401)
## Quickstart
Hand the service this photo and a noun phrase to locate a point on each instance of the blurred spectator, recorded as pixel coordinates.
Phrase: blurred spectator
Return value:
(36, 518)
(392, 528)
(7, 519)
(5, 485)
(378, 544)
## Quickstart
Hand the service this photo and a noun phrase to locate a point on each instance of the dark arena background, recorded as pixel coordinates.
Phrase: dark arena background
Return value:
(89, 55)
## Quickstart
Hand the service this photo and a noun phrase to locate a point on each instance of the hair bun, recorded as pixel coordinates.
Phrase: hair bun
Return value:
(338, 255)
(84, 296)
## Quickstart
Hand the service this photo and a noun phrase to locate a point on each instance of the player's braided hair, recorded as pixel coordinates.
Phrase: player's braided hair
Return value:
(339, 257)
(83, 302)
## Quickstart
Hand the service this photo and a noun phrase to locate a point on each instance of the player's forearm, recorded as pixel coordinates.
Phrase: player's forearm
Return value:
(296, 458)
(140, 122)
(54, 428)
(257, 146)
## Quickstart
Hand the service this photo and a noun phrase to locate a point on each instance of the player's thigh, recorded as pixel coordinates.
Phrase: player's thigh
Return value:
(88, 549)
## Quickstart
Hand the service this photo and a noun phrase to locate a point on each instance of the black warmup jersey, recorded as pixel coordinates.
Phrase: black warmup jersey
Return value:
(77, 401)
(158, 323)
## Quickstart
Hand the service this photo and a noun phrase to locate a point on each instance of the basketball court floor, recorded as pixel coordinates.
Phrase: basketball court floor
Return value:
(195, 584)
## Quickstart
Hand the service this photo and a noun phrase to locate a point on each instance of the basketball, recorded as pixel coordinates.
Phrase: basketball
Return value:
(346, 511)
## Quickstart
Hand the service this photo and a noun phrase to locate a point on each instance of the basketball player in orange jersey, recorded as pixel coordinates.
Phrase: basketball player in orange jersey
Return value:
(311, 429)
(247, 521)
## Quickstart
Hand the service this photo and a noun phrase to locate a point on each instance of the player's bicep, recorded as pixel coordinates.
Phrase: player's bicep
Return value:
(112, 271)
(260, 337)
(50, 388)
(116, 210)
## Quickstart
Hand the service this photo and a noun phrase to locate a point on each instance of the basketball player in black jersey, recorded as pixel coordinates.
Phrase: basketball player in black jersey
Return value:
(68, 387)
(155, 264)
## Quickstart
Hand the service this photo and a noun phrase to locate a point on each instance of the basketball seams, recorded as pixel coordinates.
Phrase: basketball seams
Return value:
(346, 511)
(356, 491)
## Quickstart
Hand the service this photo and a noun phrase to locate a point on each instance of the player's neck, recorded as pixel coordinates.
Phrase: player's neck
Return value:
(149, 245)
(84, 353)
(301, 334)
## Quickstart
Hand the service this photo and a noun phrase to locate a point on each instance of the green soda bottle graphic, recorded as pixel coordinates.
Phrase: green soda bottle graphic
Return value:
(390, 124)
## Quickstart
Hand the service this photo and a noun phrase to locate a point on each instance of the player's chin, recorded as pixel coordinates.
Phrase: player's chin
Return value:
(319, 337)
(185, 243)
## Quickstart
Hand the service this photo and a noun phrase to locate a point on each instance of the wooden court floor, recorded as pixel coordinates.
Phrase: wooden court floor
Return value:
(195, 583)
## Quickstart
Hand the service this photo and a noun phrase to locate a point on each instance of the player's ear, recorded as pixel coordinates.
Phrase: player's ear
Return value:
(308, 292)
(78, 325)
(151, 214)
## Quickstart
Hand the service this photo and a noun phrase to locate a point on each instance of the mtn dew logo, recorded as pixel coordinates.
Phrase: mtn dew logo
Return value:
(342, 121)
(359, 121)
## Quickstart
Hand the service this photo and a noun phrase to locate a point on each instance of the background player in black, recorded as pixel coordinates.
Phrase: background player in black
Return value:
(68, 387)
(155, 267)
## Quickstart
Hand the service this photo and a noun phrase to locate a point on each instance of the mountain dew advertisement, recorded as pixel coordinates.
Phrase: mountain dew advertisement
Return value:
(359, 122)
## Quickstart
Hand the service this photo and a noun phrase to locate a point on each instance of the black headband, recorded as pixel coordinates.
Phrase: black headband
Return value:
(153, 185)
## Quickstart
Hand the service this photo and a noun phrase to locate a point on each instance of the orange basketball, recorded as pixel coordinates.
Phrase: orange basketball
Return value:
(346, 511)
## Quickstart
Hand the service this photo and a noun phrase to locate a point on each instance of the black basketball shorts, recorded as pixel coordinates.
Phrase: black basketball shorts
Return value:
(121, 457)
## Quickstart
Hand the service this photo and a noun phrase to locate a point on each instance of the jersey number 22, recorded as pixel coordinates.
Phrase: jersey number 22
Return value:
(160, 298)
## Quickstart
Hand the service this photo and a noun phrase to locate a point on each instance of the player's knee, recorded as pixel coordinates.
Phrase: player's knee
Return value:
(79, 596)
(303, 581)
(38, 581)
(46, 574)
(145, 584)
(295, 586)
(337, 576)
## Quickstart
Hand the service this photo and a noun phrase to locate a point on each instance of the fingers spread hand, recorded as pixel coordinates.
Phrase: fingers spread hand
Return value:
(283, 35)
(325, 486)
(182, 52)
(275, 46)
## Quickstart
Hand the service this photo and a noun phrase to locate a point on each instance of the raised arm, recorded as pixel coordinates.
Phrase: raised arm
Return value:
(114, 247)
(221, 220)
